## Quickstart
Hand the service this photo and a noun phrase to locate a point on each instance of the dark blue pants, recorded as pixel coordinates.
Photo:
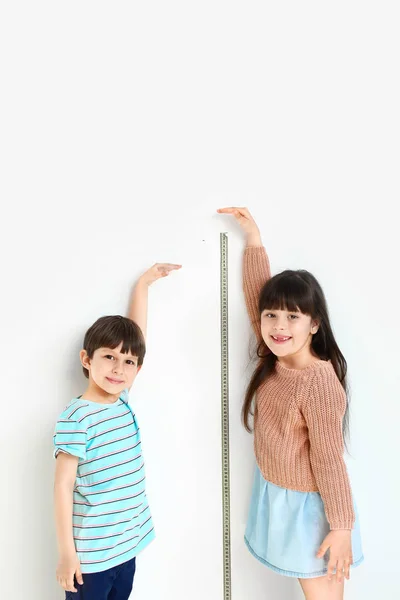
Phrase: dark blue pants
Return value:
(113, 584)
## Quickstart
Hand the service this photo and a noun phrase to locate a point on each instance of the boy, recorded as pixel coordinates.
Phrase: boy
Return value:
(102, 516)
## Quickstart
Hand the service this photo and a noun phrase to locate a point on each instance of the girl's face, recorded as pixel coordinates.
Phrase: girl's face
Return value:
(287, 333)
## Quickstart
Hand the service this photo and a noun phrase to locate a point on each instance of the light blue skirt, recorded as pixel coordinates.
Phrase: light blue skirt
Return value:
(285, 529)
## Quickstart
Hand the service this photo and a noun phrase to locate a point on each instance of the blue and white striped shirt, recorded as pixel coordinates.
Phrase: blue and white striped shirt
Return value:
(111, 516)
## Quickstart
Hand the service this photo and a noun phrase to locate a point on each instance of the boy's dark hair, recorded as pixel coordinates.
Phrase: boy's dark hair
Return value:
(110, 332)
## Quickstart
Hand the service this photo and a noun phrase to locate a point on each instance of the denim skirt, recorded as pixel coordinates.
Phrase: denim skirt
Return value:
(285, 529)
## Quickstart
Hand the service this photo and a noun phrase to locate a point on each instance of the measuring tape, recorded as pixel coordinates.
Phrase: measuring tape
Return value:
(226, 518)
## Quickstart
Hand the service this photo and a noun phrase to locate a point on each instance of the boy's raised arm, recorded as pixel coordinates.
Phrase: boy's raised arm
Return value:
(139, 300)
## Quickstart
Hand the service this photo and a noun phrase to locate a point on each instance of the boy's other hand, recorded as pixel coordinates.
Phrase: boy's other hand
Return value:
(158, 271)
(69, 567)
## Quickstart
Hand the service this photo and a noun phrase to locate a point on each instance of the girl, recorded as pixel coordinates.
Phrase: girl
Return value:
(302, 521)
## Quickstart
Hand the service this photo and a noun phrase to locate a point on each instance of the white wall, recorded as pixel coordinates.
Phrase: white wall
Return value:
(124, 126)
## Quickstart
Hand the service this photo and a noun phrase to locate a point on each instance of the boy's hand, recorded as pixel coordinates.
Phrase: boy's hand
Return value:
(246, 222)
(338, 542)
(158, 271)
(67, 568)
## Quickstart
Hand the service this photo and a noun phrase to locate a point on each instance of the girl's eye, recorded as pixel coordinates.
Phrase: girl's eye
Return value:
(293, 317)
(269, 315)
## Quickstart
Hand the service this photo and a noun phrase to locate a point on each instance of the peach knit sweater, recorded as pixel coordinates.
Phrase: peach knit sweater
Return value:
(298, 417)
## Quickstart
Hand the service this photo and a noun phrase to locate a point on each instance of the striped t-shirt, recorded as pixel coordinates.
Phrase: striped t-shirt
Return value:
(111, 516)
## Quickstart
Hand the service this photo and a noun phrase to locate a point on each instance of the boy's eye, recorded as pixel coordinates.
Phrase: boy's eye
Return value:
(293, 317)
(109, 356)
(131, 362)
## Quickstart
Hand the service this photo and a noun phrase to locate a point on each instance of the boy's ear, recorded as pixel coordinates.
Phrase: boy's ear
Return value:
(85, 360)
(138, 369)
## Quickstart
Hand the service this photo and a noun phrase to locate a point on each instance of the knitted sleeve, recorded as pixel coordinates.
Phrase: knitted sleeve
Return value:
(256, 272)
(324, 411)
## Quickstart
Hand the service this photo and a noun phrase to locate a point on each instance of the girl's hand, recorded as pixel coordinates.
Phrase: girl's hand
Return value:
(245, 220)
(158, 271)
(68, 567)
(338, 542)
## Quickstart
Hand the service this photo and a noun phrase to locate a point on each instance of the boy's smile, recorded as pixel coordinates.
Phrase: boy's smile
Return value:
(116, 381)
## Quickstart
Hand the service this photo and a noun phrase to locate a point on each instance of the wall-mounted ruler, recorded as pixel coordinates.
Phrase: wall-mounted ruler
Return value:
(226, 517)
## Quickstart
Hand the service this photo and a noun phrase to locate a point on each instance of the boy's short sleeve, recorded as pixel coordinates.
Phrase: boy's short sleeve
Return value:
(70, 437)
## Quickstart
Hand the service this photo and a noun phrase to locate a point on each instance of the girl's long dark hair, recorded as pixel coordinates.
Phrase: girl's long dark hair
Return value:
(296, 291)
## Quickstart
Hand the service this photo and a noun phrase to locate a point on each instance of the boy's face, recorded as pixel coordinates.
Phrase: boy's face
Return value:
(111, 370)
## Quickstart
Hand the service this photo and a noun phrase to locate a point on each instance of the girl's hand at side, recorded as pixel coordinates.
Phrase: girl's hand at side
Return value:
(338, 542)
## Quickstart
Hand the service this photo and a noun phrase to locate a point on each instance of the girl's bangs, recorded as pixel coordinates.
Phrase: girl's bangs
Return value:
(287, 291)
